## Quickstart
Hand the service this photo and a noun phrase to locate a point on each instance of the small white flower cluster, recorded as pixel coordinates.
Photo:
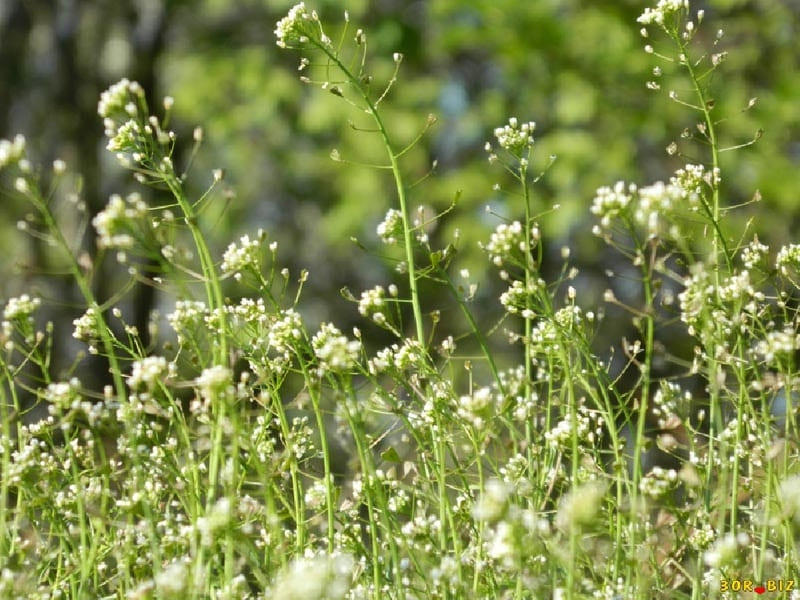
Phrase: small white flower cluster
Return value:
(313, 577)
(390, 230)
(335, 352)
(286, 332)
(11, 152)
(172, 580)
(299, 27)
(21, 308)
(569, 317)
(115, 222)
(514, 383)
(242, 256)
(214, 382)
(651, 204)
(493, 501)
(119, 100)
(410, 355)
(215, 520)
(789, 498)
(87, 326)
(778, 344)
(754, 254)
(788, 259)
(724, 552)
(517, 299)
(128, 138)
(130, 132)
(149, 372)
(610, 202)
(658, 482)
(545, 337)
(507, 239)
(187, 317)
(730, 305)
(669, 402)
(476, 408)
(663, 10)
(513, 138)
(589, 429)
(373, 305)
(63, 396)
(579, 508)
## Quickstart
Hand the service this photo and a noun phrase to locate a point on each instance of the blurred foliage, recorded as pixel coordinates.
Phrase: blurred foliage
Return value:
(576, 67)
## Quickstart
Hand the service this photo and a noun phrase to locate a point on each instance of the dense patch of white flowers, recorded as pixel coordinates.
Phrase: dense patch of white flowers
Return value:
(652, 207)
(315, 576)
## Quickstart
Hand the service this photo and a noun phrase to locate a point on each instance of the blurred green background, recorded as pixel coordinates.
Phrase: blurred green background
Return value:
(575, 67)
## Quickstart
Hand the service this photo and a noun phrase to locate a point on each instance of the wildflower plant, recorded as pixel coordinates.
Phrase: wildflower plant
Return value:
(246, 453)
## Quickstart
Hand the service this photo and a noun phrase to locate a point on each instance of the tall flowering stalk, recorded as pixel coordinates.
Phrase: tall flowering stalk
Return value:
(142, 143)
(303, 30)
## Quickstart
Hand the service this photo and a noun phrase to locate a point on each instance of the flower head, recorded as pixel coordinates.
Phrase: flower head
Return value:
(12, 152)
(514, 137)
(663, 10)
(335, 352)
(298, 27)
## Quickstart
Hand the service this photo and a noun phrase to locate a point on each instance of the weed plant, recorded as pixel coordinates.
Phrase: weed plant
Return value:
(245, 454)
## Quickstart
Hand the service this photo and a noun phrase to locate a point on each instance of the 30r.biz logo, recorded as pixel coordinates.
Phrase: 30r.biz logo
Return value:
(746, 585)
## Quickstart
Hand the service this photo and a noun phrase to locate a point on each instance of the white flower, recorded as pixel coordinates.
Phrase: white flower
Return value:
(789, 495)
(115, 100)
(391, 228)
(293, 28)
(373, 304)
(663, 10)
(506, 240)
(788, 258)
(118, 219)
(22, 307)
(334, 351)
(778, 343)
(493, 501)
(172, 579)
(610, 202)
(12, 151)
(514, 137)
(87, 326)
(314, 577)
(148, 371)
(580, 507)
(242, 256)
(214, 381)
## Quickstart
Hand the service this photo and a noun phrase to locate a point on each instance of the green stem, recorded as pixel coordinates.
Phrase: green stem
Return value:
(372, 109)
